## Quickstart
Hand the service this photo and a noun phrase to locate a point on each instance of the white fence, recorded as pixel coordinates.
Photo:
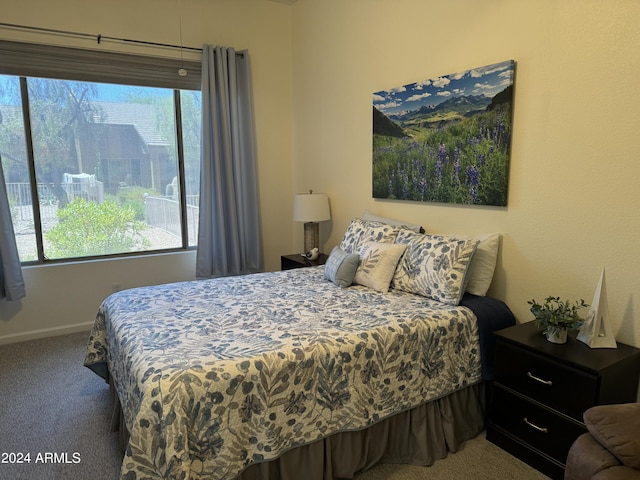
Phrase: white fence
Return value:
(20, 198)
(164, 213)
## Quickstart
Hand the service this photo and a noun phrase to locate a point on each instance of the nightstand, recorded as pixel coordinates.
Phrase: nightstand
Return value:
(542, 389)
(296, 260)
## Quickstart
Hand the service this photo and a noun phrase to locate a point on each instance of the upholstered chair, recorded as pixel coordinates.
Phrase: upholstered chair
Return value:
(611, 449)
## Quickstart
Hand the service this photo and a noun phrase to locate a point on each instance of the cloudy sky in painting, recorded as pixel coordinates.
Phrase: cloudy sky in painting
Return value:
(487, 81)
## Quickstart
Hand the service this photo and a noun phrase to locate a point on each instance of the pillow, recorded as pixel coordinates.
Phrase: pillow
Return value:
(352, 236)
(434, 266)
(616, 428)
(380, 232)
(368, 216)
(360, 231)
(341, 266)
(483, 266)
(378, 263)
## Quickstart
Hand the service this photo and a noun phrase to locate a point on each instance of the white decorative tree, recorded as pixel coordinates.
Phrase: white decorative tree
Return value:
(596, 330)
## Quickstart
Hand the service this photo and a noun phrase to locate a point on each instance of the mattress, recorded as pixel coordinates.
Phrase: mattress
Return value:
(216, 375)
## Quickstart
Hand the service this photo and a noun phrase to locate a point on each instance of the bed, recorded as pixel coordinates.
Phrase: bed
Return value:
(293, 374)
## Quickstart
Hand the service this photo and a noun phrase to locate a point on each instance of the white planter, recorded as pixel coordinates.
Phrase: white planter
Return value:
(558, 337)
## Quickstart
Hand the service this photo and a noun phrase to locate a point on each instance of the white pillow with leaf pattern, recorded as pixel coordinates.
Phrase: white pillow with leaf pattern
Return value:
(378, 263)
(434, 266)
(361, 231)
(352, 235)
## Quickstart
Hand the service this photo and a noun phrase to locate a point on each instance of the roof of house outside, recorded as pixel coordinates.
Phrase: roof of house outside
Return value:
(142, 116)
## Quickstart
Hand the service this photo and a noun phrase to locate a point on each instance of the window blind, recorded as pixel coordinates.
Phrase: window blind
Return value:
(69, 63)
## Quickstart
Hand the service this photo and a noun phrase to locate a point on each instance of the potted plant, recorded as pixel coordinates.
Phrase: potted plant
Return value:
(555, 317)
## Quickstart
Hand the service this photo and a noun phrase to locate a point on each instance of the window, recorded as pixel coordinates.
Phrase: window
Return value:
(97, 168)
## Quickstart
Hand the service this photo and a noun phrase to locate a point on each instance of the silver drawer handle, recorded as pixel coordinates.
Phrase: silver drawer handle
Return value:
(534, 426)
(540, 380)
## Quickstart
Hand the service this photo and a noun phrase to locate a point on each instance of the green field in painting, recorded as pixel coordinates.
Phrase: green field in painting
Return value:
(447, 158)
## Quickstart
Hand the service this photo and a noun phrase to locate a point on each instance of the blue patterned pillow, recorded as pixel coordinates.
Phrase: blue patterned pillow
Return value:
(434, 266)
(380, 232)
(352, 236)
(361, 231)
(341, 266)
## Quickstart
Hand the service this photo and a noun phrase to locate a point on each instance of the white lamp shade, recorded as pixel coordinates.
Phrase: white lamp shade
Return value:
(311, 207)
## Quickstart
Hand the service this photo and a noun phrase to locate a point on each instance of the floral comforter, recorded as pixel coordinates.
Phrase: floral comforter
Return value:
(214, 375)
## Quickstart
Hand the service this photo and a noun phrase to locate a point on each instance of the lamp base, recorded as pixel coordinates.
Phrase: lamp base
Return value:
(311, 235)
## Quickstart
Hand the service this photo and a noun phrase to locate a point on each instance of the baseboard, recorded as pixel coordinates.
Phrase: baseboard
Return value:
(45, 332)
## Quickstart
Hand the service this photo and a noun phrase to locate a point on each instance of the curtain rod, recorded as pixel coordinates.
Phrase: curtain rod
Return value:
(98, 37)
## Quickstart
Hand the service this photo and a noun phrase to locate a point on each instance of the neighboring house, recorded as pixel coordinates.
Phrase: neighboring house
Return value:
(116, 153)
(131, 151)
(122, 148)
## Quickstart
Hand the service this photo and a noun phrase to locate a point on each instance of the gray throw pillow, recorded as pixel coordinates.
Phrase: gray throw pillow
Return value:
(341, 266)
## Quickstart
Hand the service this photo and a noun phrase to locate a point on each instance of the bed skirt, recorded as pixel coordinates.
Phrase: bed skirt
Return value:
(419, 436)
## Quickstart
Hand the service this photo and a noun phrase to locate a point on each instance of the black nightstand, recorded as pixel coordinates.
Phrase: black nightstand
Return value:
(542, 389)
(296, 260)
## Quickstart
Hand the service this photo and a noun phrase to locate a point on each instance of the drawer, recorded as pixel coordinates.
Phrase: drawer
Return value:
(539, 427)
(557, 385)
(286, 264)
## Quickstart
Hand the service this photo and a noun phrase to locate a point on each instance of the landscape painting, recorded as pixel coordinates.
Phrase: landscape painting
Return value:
(446, 139)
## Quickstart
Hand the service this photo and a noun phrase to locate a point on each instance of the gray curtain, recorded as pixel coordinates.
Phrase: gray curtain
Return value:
(229, 238)
(11, 281)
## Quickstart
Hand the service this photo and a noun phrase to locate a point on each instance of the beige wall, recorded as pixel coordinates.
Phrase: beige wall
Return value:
(574, 205)
(64, 298)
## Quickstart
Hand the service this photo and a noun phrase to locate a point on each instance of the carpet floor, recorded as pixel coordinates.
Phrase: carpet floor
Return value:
(57, 412)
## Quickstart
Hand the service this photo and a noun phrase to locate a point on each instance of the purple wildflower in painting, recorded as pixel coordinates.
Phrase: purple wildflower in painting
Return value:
(473, 177)
(440, 161)
(392, 179)
(456, 166)
(405, 185)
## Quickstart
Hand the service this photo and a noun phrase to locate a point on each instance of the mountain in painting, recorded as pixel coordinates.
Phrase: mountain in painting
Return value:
(384, 126)
(505, 96)
(450, 109)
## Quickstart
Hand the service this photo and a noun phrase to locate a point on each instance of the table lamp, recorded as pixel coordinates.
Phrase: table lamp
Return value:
(311, 208)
